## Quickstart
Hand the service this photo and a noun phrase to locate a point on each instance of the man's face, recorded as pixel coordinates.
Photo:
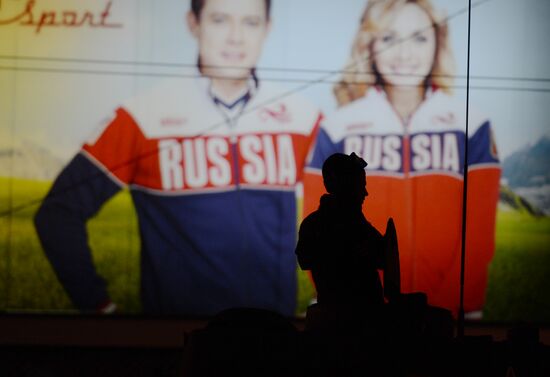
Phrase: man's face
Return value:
(230, 34)
(354, 188)
(360, 191)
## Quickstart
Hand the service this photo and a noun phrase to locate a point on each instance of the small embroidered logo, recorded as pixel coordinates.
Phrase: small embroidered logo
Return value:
(279, 113)
(445, 119)
(172, 122)
(359, 126)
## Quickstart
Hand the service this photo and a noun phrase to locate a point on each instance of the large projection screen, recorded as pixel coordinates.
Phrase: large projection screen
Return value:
(175, 197)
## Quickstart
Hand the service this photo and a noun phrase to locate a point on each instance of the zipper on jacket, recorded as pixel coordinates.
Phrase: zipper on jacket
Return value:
(234, 142)
(406, 154)
(409, 197)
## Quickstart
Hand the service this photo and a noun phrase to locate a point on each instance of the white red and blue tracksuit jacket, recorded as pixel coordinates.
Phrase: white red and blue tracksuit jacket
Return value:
(415, 175)
(215, 196)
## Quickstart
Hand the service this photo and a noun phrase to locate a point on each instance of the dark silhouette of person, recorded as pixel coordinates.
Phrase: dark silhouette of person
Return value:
(359, 330)
(344, 251)
(340, 247)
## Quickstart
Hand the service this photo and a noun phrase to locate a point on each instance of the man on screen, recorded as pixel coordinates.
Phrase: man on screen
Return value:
(212, 164)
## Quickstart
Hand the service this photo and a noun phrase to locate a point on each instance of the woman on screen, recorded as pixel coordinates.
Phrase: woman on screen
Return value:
(212, 164)
(397, 111)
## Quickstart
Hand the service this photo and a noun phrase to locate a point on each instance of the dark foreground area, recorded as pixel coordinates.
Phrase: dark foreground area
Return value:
(256, 343)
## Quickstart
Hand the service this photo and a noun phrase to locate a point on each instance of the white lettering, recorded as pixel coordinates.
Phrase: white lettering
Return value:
(200, 162)
(287, 163)
(420, 145)
(270, 161)
(352, 144)
(372, 151)
(391, 160)
(170, 164)
(436, 152)
(220, 173)
(450, 152)
(253, 170)
(196, 167)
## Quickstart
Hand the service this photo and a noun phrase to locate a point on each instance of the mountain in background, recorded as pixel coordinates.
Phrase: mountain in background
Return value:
(527, 173)
(530, 166)
(25, 159)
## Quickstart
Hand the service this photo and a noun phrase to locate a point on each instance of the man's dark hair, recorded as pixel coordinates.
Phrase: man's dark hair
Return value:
(340, 171)
(197, 5)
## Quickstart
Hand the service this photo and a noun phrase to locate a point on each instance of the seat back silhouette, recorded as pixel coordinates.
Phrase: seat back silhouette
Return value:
(243, 342)
(392, 271)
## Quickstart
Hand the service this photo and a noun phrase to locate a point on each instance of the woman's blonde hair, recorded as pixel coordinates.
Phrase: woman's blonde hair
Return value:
(360, 72)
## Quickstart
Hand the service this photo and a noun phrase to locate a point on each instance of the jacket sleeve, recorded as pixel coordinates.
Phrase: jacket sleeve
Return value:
(77, 194)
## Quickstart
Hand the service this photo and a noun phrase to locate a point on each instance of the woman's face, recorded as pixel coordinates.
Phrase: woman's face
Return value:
(404, 53)
(230, 35)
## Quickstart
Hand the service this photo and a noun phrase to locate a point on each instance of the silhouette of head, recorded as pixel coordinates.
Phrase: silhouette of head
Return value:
(344, 177)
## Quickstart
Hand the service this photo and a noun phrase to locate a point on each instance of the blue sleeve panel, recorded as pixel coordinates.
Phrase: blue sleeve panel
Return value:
(324, 147)
(482, 147)
(77, 194)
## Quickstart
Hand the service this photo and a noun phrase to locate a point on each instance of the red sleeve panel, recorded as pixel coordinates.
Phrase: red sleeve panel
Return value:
(118, 149)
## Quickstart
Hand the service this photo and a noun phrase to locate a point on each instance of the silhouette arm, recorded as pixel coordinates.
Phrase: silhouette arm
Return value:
(375, 248)
(308, 244)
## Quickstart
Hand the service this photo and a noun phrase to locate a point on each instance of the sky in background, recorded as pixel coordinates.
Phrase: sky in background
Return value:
(59, 103)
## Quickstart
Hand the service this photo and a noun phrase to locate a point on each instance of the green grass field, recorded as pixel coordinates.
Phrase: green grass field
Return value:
(518, 283)
(27, 281)
(519, 276)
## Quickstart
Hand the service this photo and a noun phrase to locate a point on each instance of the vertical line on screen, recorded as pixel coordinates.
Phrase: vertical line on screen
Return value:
(460, 329)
